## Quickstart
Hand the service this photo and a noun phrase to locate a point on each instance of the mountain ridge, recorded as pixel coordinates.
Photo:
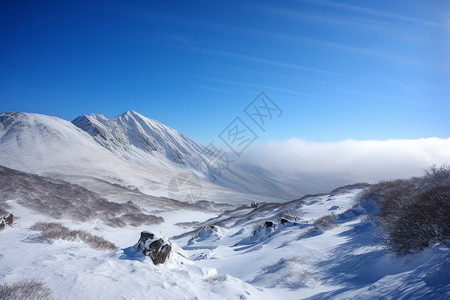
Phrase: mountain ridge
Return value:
(133, 129)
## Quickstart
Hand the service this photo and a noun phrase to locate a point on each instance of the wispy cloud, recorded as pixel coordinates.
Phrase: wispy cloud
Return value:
(290, 38)
(164, 40)
(307, 80)
(359, 93)
(211, 88)
(354, 23)
(304, 79)
(397, 83)
(375, 12)
(387, 55)
(188, 44)
(266, 61)
(259, 86)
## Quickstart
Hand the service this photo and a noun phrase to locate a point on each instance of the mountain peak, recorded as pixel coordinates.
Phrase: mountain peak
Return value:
(132, 131)
(89, 118)
(132, 113)
(97, 116)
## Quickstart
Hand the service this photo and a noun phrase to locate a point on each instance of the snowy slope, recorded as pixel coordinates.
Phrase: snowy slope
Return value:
(72, 270)
(235, 255)
(300, 259)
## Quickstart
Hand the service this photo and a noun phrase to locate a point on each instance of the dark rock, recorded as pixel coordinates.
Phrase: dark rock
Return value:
(287, 221)
(9, 219)
(254, 204)
(6, 220)
(146, 235)
(156, 248)
(268, 224)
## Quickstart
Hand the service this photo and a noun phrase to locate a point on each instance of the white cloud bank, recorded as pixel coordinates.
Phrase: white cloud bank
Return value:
(368, 160)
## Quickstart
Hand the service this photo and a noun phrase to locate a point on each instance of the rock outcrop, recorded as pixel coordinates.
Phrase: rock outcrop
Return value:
(269, 224)
(6, 220)
(157, 248)
(209, 232)
(254, 204)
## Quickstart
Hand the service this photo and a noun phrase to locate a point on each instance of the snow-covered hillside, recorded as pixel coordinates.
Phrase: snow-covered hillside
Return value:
(318, 247)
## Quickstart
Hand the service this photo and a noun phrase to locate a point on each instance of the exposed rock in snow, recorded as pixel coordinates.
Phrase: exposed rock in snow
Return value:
(210, 232)
(6, 220)
(269, 224)
(254, 204)
(260, 233)
(156, 247)
(287, 222)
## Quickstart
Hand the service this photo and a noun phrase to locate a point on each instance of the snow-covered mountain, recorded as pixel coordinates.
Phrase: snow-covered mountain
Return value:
(133, 150)
(42, 144)
(54, 147)
(131, 132)
(57, 148)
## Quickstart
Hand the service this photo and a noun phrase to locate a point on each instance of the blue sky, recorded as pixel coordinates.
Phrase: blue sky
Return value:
(338, 69)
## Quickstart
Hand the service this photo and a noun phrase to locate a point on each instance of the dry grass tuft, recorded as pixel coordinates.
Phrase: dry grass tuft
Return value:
(56, 231)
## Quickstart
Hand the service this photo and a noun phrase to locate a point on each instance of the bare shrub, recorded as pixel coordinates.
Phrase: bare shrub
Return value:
(413, 213)
(436, 176)
(134, 219)
(56, 231)
(29, 289)
(289, 214)
(325, 222)
(320, 225)
(420, 224)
